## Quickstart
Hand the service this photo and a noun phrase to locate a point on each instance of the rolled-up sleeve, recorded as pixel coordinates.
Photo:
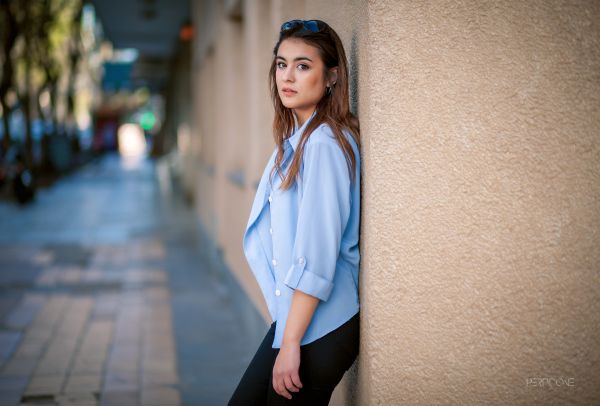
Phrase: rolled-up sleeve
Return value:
(323, 213)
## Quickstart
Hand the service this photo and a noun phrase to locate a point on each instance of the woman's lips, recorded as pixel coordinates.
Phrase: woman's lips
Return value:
(289, 92)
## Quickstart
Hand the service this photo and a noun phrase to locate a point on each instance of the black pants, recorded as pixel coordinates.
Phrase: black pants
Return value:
(323, 363)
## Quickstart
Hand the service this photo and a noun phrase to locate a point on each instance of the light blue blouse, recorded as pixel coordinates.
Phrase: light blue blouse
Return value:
(307, 237)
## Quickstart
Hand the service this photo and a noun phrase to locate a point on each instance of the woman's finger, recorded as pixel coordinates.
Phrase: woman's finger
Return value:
(284, 391)
(280, 387)
(289, 384)
(276, 385)
(296, 380)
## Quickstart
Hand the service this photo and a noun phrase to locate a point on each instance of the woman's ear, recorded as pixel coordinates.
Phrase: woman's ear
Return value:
(333, 76)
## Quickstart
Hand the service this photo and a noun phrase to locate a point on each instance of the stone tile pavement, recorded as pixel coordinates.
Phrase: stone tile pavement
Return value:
(110, 294)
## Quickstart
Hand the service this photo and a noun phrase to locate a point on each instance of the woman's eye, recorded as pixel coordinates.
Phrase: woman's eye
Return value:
(281, 65)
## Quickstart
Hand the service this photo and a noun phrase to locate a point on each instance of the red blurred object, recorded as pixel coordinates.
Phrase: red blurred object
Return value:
(186, 33)
(105, 135)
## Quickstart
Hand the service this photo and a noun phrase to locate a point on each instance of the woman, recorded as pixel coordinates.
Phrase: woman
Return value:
(301, 241)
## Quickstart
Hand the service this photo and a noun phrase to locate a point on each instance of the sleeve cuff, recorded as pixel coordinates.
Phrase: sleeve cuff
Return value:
(308, 282)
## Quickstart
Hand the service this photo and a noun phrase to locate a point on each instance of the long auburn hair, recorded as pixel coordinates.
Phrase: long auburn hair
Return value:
(332, 109)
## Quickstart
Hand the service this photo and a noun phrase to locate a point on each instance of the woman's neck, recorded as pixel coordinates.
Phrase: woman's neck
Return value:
(302, 116)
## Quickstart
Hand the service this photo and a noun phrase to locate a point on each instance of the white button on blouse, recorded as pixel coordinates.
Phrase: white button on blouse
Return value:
(274, 262)
(277, 292)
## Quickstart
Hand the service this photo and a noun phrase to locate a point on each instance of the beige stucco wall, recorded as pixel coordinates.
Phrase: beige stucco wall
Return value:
(481, 215)
(481, 187)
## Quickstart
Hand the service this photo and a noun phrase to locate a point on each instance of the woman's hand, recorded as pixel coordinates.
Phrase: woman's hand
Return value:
(285, 370)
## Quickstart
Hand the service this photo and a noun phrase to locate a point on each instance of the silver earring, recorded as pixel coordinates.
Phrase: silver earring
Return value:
(328, 90)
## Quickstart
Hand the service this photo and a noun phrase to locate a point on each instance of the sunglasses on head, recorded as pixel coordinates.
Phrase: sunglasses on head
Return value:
(310, 25)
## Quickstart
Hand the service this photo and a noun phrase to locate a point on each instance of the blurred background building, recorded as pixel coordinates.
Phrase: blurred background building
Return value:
(480, 178)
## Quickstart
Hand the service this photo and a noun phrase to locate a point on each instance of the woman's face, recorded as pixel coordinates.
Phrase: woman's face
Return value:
(300, 69)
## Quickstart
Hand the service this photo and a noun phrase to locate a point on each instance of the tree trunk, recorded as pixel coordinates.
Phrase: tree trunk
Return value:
(6, 80)
(25, 97)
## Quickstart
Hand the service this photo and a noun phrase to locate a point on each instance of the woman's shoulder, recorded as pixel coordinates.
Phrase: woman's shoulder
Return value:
(324, 134)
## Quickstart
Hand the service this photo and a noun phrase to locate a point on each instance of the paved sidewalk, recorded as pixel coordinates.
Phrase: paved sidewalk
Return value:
(108, 297)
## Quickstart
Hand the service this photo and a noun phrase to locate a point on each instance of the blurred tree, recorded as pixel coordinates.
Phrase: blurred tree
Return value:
(75, 52)
(24, 93)
(9, 33)
(40, 44)
(49, 62)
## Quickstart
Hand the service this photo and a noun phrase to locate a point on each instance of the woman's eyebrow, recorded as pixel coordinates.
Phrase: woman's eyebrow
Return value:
(299, 58)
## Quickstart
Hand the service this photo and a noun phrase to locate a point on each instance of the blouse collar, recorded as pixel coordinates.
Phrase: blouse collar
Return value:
(295, 138)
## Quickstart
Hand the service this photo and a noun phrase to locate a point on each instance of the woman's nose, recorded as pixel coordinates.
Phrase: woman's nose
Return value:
(288, 74)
